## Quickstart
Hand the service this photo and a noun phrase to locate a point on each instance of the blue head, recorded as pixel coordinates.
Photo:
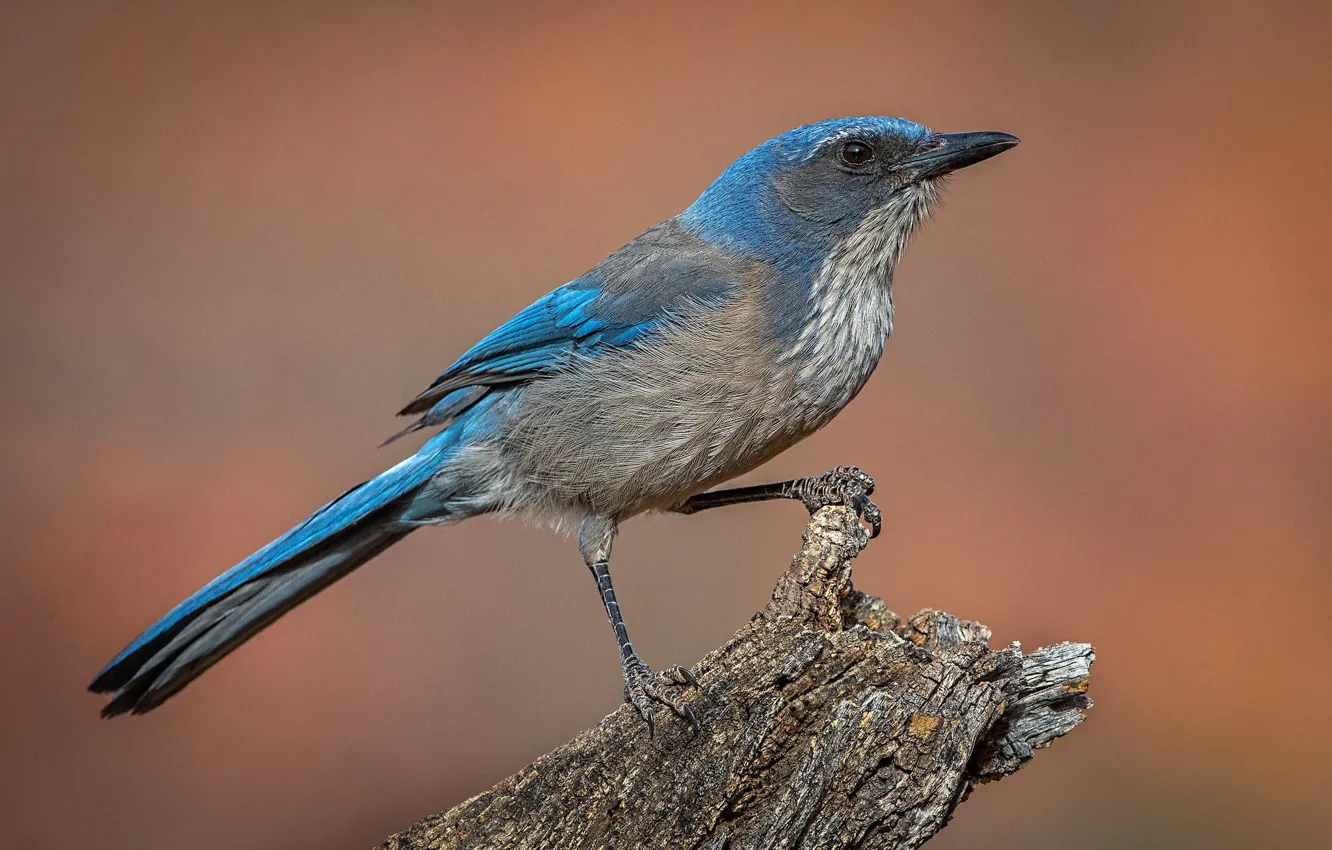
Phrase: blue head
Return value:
(792, 199)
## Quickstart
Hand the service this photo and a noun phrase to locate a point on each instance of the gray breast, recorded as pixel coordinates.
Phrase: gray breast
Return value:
(646, 428)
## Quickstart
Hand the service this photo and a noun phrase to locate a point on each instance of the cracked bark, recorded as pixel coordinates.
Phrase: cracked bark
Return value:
(828, 722)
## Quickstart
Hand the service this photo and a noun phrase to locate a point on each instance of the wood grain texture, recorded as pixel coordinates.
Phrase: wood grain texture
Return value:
(827, 722)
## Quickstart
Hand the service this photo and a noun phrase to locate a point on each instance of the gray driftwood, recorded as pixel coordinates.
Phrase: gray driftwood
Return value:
(827, 722)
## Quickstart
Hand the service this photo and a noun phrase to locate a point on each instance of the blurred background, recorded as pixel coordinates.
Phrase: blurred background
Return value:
(235, 237)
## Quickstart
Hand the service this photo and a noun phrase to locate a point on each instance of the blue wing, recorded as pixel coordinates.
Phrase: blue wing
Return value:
(662, 273)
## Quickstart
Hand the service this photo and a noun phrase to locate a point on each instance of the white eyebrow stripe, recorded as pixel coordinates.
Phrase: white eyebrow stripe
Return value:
(841, 135)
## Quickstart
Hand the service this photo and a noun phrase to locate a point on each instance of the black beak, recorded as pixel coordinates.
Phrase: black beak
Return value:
(957, 150)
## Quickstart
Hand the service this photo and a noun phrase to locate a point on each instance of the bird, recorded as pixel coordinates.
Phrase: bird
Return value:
(701, 349)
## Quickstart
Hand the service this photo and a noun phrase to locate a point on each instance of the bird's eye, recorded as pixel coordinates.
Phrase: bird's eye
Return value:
(857, 153)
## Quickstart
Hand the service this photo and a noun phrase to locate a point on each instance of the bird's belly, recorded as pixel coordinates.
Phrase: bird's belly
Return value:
(646, 430)
(622, 456)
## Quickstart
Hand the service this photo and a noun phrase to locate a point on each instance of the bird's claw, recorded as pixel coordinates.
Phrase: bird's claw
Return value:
(641, 690)
(845, 485)
(680, 675)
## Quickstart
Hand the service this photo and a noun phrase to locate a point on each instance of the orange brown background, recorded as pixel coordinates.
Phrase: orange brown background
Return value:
(235, 237)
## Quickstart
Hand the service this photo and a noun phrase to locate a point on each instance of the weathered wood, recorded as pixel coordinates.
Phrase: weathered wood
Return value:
(827, 722)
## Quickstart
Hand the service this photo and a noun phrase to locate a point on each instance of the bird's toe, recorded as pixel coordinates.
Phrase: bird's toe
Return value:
(641, 690)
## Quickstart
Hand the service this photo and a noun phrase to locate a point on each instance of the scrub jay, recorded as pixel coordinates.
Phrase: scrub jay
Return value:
(704, 347)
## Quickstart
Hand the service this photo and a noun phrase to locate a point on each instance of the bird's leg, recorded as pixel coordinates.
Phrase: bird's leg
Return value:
(845, 485)
(641, 685)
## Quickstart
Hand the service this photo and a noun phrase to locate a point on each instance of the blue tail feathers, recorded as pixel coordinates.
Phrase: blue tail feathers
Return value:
(230, 609)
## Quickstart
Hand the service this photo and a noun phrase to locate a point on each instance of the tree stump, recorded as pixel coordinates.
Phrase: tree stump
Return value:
(827, 722)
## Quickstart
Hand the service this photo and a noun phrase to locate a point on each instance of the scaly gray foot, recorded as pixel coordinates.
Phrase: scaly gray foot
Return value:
(845, 485)
(642, 687)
